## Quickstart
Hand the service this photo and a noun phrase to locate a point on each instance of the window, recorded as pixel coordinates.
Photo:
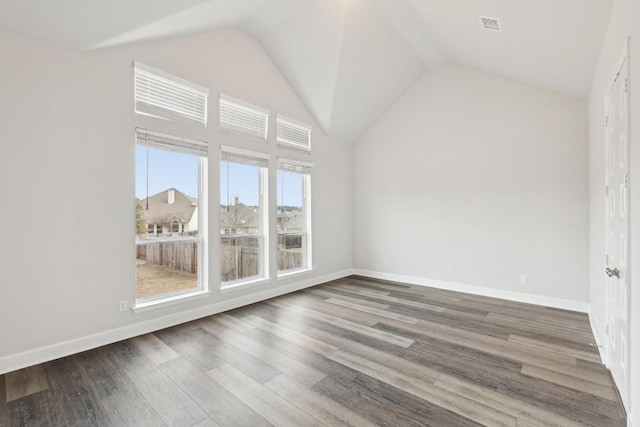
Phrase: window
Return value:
(239, 118)
(243, 219)
(170, 189)
(291, 134)
(160, 94)
(294, 219)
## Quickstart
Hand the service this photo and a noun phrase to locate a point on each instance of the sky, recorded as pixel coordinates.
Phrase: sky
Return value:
(180, 171)
(166, 170)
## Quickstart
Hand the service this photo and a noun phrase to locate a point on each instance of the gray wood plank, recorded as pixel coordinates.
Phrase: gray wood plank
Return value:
(385, 405)
(376, 311)
(327, 294)
(591, 355)
(72, 397)
(231, 322)
(517, 408)
(169, 401)
(279, 317)
(272, 407)
(605, 391)
(222, 406)
(317, 304)
(352, 326)
(309, 358)
(207, 422)
(321, 407)
(3, 402)
(154, 348)
(36, 409)
(303, 373)
(425, 390)
(384, 358)
(299, 339)
(24, 382)
(116, 394)
(487, 344)
(191, 346)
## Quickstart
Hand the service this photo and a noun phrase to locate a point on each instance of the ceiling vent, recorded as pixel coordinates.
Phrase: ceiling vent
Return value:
(490, 23)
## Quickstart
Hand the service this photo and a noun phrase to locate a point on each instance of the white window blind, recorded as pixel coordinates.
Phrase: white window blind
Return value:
(239, 118)
(290, 133)
(235, 155)
(167, 142)
(162, 95)
(295, 166)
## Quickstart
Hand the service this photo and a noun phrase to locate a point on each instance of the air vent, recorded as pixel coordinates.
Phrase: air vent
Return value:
(490, 23)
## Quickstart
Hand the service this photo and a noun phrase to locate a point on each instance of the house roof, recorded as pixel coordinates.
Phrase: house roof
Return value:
(291, 221)
(239, 216)
(160, 211)
(349, 60)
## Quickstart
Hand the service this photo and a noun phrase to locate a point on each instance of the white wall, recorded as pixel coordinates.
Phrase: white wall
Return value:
(67, 186)
(474, 179)
(623, 23)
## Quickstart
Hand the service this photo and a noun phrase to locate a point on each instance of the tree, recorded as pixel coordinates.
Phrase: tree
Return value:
(141, 227)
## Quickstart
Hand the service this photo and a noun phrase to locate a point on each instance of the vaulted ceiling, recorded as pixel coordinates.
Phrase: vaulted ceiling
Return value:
(350, 59)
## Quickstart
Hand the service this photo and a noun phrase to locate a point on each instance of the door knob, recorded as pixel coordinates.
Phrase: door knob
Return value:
(613, 272)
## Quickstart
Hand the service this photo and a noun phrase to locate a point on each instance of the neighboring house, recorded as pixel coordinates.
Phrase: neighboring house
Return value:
(170, 212)
(290, 221)
(238, 219)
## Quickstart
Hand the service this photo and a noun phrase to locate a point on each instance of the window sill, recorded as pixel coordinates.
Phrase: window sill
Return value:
(172, 300)
(294, 273)
(236, 286)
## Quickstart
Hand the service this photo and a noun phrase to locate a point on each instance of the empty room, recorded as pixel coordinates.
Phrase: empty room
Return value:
(320, 212)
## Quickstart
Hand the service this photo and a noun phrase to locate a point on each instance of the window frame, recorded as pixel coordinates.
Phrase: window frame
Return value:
(263, 234)
(202, 238)
(306, 235)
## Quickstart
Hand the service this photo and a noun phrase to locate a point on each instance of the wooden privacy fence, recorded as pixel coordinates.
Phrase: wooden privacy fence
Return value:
(236, 262)
(177, 256)
(289, 259)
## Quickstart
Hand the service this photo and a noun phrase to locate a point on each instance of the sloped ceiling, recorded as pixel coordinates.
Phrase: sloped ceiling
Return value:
(349, 59)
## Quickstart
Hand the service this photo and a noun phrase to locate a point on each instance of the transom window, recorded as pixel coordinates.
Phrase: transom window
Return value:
(163, 95)
(293, 134)
(241, 119)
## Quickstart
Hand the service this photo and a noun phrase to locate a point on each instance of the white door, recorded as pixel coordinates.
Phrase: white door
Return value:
(617, 230)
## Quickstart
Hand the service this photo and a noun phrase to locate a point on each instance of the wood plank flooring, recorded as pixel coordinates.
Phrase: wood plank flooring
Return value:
(353, 352)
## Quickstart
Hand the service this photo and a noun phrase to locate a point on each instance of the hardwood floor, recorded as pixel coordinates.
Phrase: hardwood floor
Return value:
(353, 352)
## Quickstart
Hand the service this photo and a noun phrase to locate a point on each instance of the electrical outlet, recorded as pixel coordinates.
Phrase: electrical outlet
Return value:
(123, 305)
(524, 279)
(386, 261)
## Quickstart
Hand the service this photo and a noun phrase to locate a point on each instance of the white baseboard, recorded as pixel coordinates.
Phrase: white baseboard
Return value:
(51, 352)
(565, 304)
(599, 342)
